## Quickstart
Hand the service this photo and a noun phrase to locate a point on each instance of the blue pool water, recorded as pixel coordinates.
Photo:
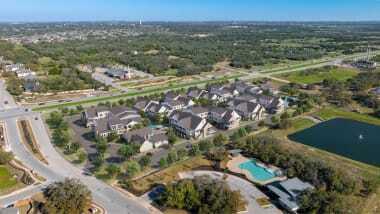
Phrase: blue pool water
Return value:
(258, 172)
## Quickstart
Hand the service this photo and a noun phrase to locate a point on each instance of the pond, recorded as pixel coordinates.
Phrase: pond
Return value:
(348, 138)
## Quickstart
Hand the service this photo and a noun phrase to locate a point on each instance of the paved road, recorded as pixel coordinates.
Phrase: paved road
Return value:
(248, 190)
(57, 168)
(5, 97)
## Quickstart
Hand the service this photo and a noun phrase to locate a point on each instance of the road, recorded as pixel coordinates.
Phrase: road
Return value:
(6, 100)
(113, 201)
(248, 75)
(247, 190)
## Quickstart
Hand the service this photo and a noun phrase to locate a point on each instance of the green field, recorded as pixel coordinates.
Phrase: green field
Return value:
(6, 179)
(312, 76)
(134, 94)
(331, 113)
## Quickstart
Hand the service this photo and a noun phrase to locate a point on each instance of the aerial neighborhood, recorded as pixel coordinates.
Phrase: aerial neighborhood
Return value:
(224, 117)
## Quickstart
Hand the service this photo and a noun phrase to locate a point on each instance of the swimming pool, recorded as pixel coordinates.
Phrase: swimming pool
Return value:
(257, 172)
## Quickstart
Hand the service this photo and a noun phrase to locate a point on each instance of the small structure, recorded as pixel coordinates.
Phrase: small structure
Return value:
(147, 138)
(288, 192)
(120, 74)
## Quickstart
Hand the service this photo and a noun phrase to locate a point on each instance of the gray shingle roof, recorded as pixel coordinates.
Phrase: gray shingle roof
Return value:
(186, 119)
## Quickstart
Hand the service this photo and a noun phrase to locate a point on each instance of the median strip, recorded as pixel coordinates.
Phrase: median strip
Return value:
(29, 140)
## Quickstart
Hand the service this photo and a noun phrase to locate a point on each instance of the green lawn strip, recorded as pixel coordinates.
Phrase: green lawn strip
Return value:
(332, 113)
(305, 78)
(300, 124)
(7, 181)
(134, 94)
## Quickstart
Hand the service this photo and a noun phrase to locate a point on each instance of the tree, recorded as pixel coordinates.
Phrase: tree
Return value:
(61, 137)
(113, 170)
(206, 145)
(132, 168)
(145, 161)
(195, 151)
(68, 196)
(163, 162)
(220, 140)
(127, 151)
(101, 146)
(55, 120)
(172, 137)
(82, 156)
(5, 157)
(285, 124)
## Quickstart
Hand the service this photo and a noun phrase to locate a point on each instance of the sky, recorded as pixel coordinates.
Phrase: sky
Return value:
(189, 10)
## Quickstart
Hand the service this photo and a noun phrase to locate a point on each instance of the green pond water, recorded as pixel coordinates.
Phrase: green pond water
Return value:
(348, 138)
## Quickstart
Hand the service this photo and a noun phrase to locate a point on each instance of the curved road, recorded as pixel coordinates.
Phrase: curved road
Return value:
(113, 201)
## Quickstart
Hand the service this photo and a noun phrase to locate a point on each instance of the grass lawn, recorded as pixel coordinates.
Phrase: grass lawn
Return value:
(168, 175)
(300, 124)
(304, 77)
(7, 181)
(331, 113)
(133, 94)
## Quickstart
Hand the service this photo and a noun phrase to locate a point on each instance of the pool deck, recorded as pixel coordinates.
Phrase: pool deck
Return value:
(233, 166)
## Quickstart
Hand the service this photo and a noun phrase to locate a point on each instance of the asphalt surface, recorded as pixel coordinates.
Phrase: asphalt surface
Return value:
(113, 201)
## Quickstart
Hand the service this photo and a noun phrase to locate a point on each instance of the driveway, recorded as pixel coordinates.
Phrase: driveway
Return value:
(248, 190)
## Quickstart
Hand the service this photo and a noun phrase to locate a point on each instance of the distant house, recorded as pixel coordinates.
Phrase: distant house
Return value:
(14, 67)
(23, 73)
(170, 96)
(224, 118)
(178, 103)
(146, 138)
(247, 110)
(119, 74)
(365, 64)
(155, 108)
(196, 93)
(198, 111)
(141, 105)
(31, 83)
(376, 91)
(288, 192)
(189, 126)
(271, 104)
(107, 126)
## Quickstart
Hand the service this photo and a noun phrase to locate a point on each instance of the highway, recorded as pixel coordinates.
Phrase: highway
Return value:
(112, 200)
(248, 75)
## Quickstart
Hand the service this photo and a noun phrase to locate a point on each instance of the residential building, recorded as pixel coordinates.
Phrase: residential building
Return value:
(189, 126)
(196, 93)
(198, 111)
(146, 138)
(14, 67)
(179, 103)
(141, 105)
(91, 115)
(31, 83)
(121, 74)
(288, 192)
(247, 110)
(112, 124)
(224, 118)
(155, 108)
(271, 104)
